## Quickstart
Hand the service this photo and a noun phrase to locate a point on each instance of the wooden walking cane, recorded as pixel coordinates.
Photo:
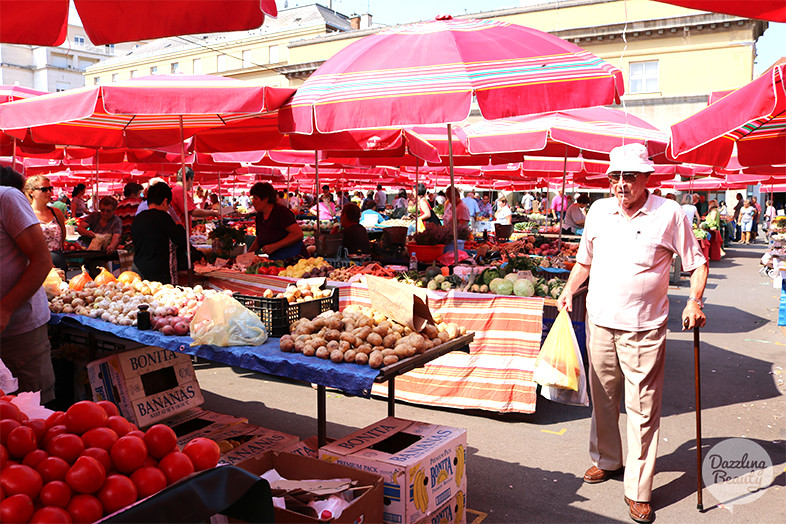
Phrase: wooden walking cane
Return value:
(696, 344)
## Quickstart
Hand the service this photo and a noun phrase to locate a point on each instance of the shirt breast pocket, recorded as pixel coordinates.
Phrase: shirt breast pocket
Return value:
(642, 252)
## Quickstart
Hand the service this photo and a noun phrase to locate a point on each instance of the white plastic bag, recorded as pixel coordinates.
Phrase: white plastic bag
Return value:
(223, 321)
(568, 396)
(8, 383)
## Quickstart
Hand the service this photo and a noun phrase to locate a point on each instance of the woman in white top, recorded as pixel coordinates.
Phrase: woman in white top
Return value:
(503, 214)
(38, 190)
(689, 208)
(746, 220)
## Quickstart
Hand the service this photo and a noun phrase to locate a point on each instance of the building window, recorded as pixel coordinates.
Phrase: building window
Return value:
(96, 80)
(247, 59)
(643, 77)
(79, 40)
(221, 63)
(114, 77)
(174, 68)
(62, 86)
(154, 70)
(133, 73)
(197, 66)
(110, 48)
(273, 54)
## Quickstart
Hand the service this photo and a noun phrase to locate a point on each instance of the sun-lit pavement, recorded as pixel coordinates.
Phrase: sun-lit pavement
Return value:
(528, 468)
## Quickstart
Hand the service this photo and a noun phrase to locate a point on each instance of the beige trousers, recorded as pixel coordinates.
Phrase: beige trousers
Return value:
(630, 361)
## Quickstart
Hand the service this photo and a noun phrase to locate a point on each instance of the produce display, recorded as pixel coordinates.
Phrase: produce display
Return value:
(88, 462)
(344, 274)
(307, 268)
(263, 266)
(301, 291)
(395, 222)
(362, 336)
(537, 245)
(118, 300)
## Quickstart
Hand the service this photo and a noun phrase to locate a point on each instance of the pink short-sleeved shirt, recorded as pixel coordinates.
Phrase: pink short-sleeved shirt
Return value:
(630, 261)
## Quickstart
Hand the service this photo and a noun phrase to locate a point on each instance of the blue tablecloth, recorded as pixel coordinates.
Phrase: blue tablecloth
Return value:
(353, 379)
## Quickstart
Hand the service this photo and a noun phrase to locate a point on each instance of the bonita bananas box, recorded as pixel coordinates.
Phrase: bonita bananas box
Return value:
(452, 512)
(423, 465)
(244, 441)
(148, 384)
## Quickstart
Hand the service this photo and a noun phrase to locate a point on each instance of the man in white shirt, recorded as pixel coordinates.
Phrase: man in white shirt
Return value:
(526, 202)
(381, 198)
(472, 204)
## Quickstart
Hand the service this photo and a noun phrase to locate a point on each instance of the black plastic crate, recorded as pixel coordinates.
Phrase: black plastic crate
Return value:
(277, 314)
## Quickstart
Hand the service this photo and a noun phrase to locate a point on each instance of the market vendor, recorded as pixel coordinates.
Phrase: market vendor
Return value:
(503, 215)
(103, 222)
(155, 236)
(355, 236)
(178, 204)
(462, 212)
(278, 233)
(78, 204)
(484, 208)
(370, 217)
(575, 215)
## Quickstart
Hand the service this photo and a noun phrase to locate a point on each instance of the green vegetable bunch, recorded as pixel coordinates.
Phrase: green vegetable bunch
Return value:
(227, 237)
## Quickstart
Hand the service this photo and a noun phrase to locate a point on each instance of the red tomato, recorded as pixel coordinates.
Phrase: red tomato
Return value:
(52, 433)
(160, 440)
(10, 411)
(119, 425)
(101, 455)
(16, 508)
(128, 453)
(3, 456)
(55, 419)
(55, 493)
(84, 415)
(85, 508)
(51, 515)
(117, 492)
(6, 427)
(148, 481)
(52, 468)
(21, 441)
(203, 452)
(67, 446)
(99, 438)
(86, 475)
(175, 466)
(150, 461)
(39, 426)
(109, 407)
(135, 433)
(34, 458)
(21, 479)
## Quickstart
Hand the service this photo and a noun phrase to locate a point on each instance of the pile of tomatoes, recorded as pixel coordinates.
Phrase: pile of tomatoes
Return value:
(88, 462)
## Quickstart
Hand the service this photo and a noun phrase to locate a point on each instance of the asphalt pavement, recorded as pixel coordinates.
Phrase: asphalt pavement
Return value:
(528, 468)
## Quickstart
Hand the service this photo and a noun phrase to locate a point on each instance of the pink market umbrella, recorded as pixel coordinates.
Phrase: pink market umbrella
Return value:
(427, 73)
(703, 184)
(753, 118)
(45, 22)
(772, 10)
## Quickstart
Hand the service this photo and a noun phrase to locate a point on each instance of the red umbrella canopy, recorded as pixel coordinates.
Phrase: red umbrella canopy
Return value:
(45, 22)
(753, 117)
(773, 10)
(428, 73)
(142, 112)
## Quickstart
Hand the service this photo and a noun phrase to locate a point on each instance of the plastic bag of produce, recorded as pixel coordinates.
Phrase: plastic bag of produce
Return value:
(223, 321)
(558, 362)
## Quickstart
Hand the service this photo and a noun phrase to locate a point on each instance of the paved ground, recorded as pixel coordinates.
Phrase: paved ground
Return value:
(528, 468)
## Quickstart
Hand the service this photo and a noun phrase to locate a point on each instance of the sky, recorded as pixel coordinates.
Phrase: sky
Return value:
(770, 47)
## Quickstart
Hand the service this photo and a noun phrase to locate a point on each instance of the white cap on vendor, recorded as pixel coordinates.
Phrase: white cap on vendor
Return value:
(630, 158)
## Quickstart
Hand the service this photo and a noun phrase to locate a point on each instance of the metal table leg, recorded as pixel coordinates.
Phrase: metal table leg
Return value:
(392, 397)
(321, 415)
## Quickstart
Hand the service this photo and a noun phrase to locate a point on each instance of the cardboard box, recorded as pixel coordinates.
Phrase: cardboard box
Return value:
(307, 448)
(365, 508)
(252, 441)
(452, 512)
(148, 384)
(423, 465)
(198, 422)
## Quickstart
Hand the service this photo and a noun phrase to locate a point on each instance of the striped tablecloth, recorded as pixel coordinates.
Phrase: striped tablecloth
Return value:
(497, 373)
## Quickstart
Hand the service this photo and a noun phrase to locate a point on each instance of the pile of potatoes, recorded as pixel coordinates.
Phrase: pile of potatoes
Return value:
(363, 336)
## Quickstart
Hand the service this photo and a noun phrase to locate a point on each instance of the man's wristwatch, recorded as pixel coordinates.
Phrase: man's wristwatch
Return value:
(698, 302)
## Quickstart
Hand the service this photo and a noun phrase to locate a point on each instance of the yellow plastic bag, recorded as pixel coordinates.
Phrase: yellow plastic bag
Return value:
(557, 364)
(223, 321)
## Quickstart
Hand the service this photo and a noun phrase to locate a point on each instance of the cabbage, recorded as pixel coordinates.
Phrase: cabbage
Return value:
(556, 292)
(494, 284)
(505, 287)
(512, 277)
(523, 288)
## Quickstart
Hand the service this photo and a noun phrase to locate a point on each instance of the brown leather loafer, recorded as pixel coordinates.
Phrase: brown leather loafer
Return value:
(640, 511)
(595, 474)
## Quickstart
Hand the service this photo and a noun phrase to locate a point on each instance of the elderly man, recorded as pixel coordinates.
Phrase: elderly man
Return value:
(627, 248)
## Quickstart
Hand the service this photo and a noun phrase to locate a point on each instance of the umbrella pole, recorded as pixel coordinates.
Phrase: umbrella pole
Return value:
(454, 205)
(13, 154)
(564, 175)
(316, 195)
(95, 193)
(187, 218)
(220, 205)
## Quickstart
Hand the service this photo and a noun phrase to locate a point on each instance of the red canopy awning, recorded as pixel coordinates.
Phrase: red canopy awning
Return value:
(772, 10)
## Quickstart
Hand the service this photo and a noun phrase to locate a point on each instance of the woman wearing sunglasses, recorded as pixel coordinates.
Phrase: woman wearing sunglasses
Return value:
(38, 190)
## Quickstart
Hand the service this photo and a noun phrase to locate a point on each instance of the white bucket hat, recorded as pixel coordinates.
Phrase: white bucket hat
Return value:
(630, 157)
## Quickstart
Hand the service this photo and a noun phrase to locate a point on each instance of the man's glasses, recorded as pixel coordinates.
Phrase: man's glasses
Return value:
(628, 178)
(45, 189)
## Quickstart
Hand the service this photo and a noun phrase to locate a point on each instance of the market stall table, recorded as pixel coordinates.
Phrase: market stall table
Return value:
(268, 358)
(497, 373)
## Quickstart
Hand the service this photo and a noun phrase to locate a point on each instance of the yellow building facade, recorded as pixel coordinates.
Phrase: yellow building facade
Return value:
(671, 57)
